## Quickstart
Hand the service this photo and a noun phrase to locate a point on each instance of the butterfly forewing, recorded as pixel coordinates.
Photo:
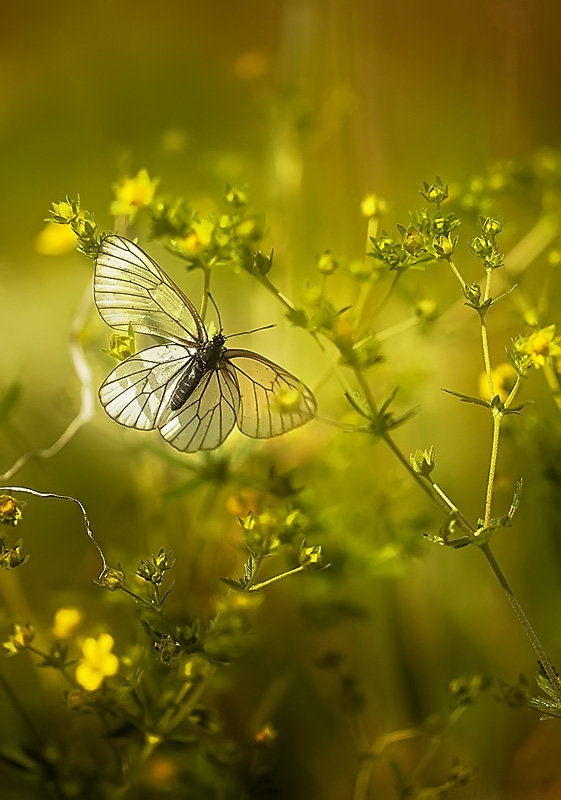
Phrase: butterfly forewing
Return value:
(273, 400)
(208, 415)
(137, 392)
(129, 287)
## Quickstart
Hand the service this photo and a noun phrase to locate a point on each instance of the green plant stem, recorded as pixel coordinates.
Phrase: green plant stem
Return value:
(435, 742)
(457, 273)
(538, 238)
(543, 659)
(553, 383)
(373, 752)
(61, 668)
(484, 337)
(463, 521)
(400, 327)
(513, 392)
(150, 606)
(440, 499)
(437, 496)
(185, 701)
(274, 579)
(497, 418)
(389, 292)
(206, 289)
(266, 283)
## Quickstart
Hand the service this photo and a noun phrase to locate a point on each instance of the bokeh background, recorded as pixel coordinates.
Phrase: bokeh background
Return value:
(310, 104)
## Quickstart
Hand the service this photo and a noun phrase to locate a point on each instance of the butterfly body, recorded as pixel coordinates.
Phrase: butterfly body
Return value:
(206, 359)
(193, 389)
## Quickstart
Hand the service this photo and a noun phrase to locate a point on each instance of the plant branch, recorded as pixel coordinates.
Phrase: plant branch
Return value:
(82, 369)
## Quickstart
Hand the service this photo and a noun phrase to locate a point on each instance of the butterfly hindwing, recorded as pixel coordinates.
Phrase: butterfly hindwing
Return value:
(129, 287)
(136, 393)
(207, 416)
(273, 400)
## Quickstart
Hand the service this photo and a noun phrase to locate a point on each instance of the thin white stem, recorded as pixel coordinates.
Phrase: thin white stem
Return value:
(89, 532)
(82, 369)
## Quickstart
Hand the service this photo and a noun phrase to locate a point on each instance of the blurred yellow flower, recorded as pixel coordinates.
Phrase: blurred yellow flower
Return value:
(66, 619)
(504, 377)
(200, 237)
(161, 772)
(287, 399)
(133, 193)
(55, 240)
(251, 64)
(174, 140)
(372, 206)
(98, 662)
(540, 345)
(266, 735)
(241, 504)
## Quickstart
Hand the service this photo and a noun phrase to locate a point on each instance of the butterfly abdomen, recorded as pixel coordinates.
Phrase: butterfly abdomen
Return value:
(207, 359)
(187, 383)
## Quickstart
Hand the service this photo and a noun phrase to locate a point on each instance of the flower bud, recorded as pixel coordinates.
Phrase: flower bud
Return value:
(327, 263)
(422, 461)
(10, 510)
(310, 557)
(490, 226)
(111, 579)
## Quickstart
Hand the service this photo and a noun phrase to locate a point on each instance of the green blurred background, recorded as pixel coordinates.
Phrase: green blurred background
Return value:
(311, 104)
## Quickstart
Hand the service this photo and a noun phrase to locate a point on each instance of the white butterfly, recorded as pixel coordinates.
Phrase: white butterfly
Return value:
(193, 389)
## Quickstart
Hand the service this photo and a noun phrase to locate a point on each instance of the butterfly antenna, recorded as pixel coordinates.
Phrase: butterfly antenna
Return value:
(216, 309)
(254, 330)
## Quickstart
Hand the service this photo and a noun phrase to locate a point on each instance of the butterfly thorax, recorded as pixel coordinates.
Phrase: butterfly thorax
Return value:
(204, 360)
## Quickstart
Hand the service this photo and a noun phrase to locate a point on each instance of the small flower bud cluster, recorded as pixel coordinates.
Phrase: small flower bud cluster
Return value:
(484, 247)
(153, 570)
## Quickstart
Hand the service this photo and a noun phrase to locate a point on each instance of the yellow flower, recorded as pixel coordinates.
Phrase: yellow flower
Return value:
(66, 619)
(541, 345)
(98, 662)
(55, 240)
(241, 504)
(133, 193)
(504, 378)
(199, 238)
(372, 206)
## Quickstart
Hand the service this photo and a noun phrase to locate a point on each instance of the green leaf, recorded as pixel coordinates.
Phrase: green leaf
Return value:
(466, 398)
(298, 317)
(237, 586)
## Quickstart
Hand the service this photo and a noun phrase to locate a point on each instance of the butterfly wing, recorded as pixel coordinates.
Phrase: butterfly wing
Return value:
(273, 400)
(129, 287)
(137, 392)
(208, 416)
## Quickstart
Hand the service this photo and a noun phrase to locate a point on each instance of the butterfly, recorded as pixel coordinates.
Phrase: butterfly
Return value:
(193, 388)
